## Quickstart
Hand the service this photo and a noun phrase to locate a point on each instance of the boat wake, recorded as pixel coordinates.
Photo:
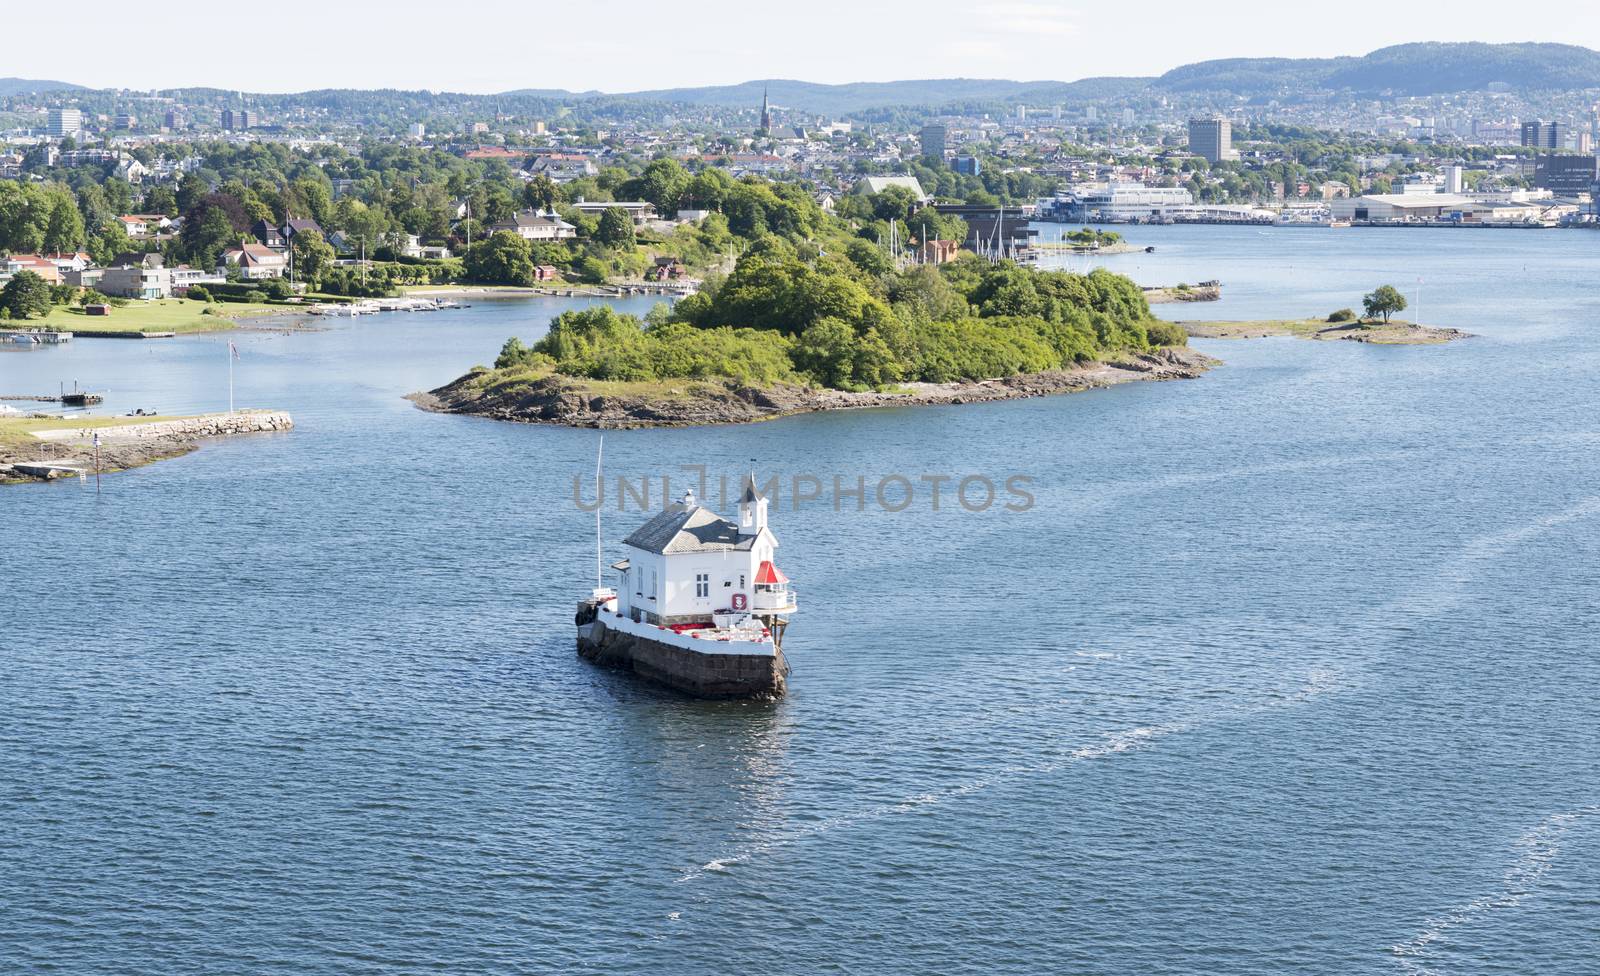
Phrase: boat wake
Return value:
(1445, 590)
(1539, 848)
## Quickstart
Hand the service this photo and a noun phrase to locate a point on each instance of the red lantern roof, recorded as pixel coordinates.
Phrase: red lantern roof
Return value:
(769, 573)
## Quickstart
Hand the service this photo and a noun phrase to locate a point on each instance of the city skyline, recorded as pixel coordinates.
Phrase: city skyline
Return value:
(837, 43)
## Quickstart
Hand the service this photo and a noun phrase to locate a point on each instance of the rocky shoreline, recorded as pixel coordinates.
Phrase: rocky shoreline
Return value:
(571, 402)
(49, 455)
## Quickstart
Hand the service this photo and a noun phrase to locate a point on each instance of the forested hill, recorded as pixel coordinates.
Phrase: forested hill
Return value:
(857, 96)
(1407, 69)
(19, 86)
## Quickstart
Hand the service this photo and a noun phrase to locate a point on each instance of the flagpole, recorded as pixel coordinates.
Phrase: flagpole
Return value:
(230, 379)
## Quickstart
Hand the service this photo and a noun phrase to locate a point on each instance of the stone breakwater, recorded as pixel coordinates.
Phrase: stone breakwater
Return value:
(564, 400)
(67, 452)
(185, 429)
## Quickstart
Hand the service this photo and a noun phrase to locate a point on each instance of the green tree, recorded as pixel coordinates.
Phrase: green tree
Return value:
(1383, 302)
(615, 228)
(25, 296)
(313, 258)
(540, 193)
(503, 259)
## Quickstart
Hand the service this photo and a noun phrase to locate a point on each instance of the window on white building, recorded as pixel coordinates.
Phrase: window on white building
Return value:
(702, 585)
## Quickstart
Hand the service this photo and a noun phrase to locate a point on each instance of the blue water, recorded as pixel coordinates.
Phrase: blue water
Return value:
(1290, 669)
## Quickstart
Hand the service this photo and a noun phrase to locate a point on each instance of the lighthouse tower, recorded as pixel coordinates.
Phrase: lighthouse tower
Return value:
(752, 509)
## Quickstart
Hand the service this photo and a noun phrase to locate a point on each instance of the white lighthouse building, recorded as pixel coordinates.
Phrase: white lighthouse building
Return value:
(689, 565)
(696, 582)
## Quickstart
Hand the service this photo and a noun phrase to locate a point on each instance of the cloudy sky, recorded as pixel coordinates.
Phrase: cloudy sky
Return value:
(629, 45)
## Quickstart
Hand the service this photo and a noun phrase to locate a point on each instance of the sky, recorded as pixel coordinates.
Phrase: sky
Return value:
(631, 45)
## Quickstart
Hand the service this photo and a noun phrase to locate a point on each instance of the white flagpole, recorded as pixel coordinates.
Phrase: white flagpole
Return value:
(230, 379)
(599, 456)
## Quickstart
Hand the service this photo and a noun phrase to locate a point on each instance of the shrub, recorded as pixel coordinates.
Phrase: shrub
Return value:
(1343, 315)
(199, 293)
(1164, 333)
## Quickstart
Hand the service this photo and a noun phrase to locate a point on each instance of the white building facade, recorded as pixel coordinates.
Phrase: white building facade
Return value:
(689, 565)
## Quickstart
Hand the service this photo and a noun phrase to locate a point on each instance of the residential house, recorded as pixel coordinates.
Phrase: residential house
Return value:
(546, 272)
(530, 225)
(141, 226)
(147, 278)
(66, 263)
(639, 210)
(563, 167)
(269, 236)
(255, 262)
(299, 225)
(185, 277)
(132, 170)
(41, 266)
(937, 252)
(666, 269)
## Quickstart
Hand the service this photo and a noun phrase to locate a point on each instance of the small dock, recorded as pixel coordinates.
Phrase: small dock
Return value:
(47, 470)
(35, 337)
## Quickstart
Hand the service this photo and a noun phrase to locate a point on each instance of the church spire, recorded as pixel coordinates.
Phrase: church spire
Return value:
(766, 112)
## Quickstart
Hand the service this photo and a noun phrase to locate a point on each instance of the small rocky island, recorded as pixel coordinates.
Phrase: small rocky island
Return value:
(554, 398)
(1392, 333)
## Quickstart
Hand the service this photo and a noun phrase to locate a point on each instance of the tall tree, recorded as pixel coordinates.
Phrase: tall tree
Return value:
(25, 296)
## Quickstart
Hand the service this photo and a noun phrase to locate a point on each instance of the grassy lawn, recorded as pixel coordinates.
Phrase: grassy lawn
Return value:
(15, 431)
(167, 315)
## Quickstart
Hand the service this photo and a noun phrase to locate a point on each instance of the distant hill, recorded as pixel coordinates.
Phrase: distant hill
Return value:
(1406, 69)
(809, 96)
(20, 86)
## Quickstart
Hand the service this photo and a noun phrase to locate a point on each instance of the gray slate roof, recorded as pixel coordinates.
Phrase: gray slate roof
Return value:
(697, 529)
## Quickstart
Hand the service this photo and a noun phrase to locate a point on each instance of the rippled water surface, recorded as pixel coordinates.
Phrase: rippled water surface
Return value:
(1291, 669)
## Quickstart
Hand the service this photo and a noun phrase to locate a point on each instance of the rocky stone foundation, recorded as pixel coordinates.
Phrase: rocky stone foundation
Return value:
(700, 675)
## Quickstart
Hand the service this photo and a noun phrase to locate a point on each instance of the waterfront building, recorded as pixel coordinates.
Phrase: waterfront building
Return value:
(65, 122)
(933, 139)
(1212, 139)
(1455, 179)
(1567, 176)
(1512, 209)
(699, 604)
